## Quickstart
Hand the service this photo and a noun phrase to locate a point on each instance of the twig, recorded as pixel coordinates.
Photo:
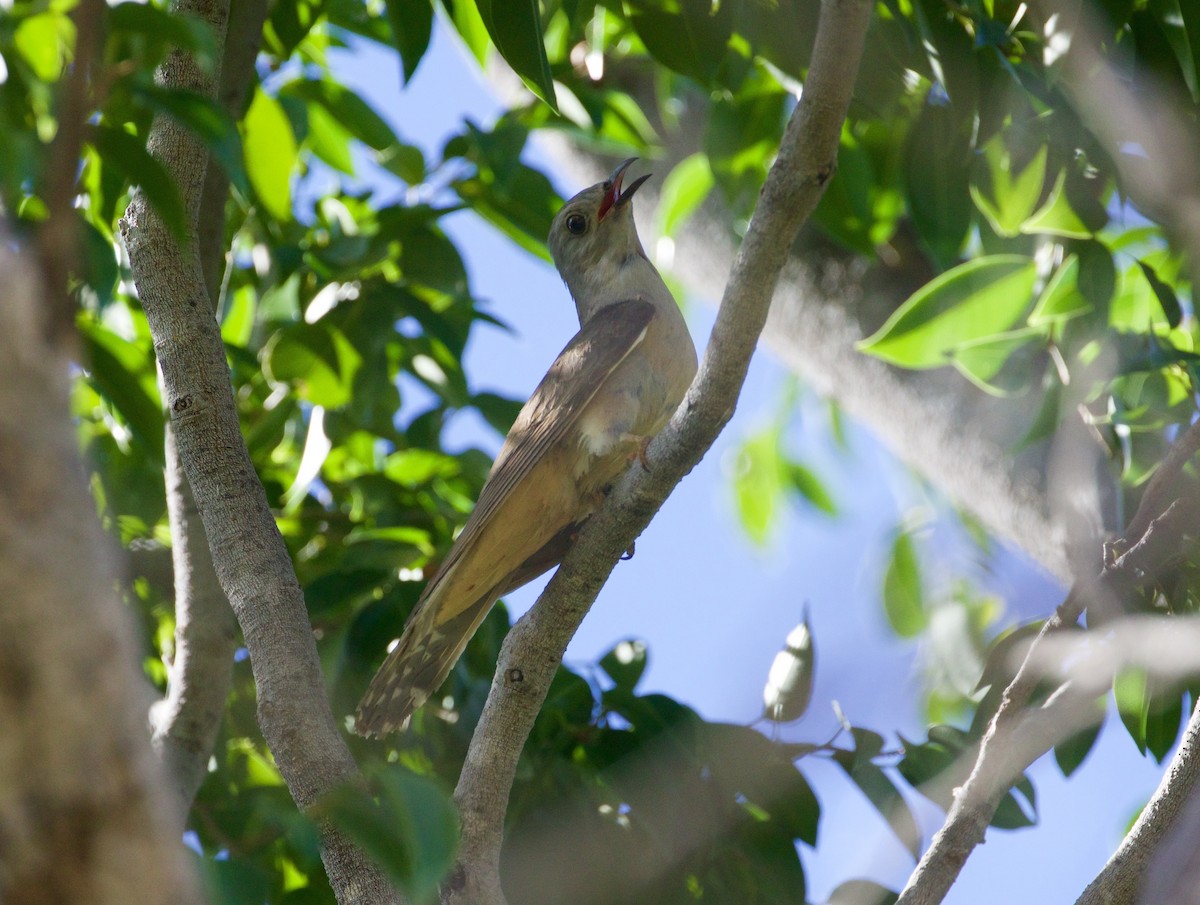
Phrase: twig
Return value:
(534, 648)
(997, 767)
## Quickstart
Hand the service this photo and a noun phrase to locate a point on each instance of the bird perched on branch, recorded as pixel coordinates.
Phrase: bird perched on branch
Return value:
(610, 390)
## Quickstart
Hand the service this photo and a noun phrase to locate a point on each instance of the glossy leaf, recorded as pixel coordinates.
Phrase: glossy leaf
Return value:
(516, 29)
(271, 154)
(625, 663)
(975, 300)
(1012, 196)
(412, 27)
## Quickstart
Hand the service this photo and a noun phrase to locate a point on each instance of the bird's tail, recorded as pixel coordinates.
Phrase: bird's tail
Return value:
(418, 664)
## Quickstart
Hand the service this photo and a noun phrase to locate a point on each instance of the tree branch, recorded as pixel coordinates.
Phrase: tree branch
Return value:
(185, 723)
(58, 236)
(1004, 753)
(85, 814)
(534, 648)
(249, 554)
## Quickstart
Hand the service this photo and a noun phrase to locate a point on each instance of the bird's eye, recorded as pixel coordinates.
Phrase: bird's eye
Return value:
(577, 224)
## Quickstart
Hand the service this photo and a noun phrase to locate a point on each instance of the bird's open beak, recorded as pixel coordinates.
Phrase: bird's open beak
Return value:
(613, 196)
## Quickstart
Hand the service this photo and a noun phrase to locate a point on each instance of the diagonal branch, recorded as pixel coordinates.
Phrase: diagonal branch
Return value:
(249, 554)
(534, 648)
(998, 764)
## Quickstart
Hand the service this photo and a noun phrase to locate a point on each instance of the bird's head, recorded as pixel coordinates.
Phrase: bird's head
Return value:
(593, 237)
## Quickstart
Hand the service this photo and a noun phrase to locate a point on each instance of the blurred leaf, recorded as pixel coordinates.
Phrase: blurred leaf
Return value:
(689, 36)
(936, 170)
(1012, 197)
(355, 115)
(1062, 299)
(271, 154)
(412, 27)
(757, 484)
(981, 360)
(882, 793)
(317, 360)
(211, 123)
(1056, 217)
(1072, 752)
(862, 892)
(1165, 295)
(516, 30)
(127, 155)
(903, 597)
(683, 191)
(124, 375)
(405, 823)
(1164, 715)
(805, 482)
(1132, 698)
(975, 300)
(625, 663)
(39, 39)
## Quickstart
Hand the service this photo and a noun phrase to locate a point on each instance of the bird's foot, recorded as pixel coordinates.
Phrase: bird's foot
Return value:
(641, 445)
(628, 554)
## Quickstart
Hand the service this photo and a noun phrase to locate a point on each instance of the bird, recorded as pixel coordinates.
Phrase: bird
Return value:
(610, 390)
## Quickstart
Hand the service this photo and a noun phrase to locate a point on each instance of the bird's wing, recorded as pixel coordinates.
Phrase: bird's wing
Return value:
(555, 406)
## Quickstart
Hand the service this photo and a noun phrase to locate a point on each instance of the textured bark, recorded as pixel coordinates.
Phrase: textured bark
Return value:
(249, 554)
(85, 815)
(533, 649)
(185, 723)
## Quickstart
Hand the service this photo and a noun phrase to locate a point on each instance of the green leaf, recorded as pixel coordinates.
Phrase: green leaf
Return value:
(184, 32)
(124, 375)
(328, 139)
(127, 155)
(862, 892)
(208, 120)
(757, 485)
(936, 171)
(683, 191)
(1056, 217)
(39, 39)
(1164, 714)
(689, 36)
(805, 482)
(981, 360)
(1062, 299)
(903, 597)
(412, 27)
(625, 663)
(355, 115)
(1131, 691)
(1012, 198)
(316, 360)
(884, 795)
(271, 154)
(1071, 753)
(1164, 293)
(515, 28)
(405, 822)
(974, 300)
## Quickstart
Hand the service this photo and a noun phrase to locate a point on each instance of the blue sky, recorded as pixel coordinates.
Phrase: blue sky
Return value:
(712, 608)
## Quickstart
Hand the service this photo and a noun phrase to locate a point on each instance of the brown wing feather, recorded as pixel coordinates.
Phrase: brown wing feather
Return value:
(552, 411)
(451, 608)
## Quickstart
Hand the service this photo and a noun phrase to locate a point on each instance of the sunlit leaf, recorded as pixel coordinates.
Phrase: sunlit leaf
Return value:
(903, 595)
(978, 299)
(516, 29)
(683, 191)
(271, 153)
